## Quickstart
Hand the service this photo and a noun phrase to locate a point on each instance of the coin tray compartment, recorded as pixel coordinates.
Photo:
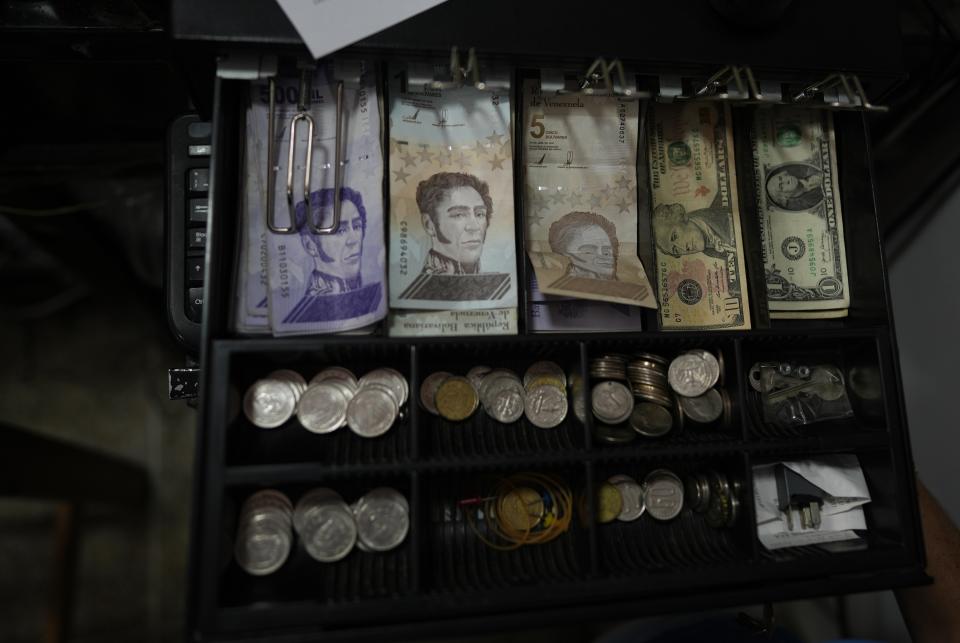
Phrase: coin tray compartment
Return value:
(649, 547)
(670, 347)
(456, 560)
(886, 537)
(480, 434)
(856, 353)
(360, 576)
(247, 444)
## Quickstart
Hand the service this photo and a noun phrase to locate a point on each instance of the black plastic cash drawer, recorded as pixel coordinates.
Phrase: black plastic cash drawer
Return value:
(442, 579)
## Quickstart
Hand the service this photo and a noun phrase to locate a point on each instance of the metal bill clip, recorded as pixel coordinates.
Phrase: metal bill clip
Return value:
(731, 83)
(840, 91)
(339, 141)
(601, 79)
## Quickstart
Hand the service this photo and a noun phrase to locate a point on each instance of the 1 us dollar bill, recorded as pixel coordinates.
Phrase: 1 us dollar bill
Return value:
(801, 224)
(695, 218)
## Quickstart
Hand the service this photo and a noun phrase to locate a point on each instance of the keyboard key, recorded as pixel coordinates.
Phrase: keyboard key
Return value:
(198, 180)
(195, 304)
(198, 238)
(198, 210)
(195, 270)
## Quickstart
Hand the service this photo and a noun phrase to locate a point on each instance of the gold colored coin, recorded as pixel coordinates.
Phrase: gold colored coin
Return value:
(456, 399)
(609, 503)
(521, 508)
(550, 380)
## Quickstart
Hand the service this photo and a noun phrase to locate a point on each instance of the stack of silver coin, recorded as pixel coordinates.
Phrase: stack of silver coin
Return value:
(329, 528)
(541, 395)
(264, 536)
(632, 389)
(693, 376)
(611, 366)
(717, 497)
(334, 398)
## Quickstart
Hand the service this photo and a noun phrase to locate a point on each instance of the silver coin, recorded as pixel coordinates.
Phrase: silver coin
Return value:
(711, 362)
(391, 379)
(359, 543)
(505, 403)
(371, 412)
(322, 409)
(476, 375)
(392, 392)
(328, 531)
(612, 402)
(269, 497)
(263, 505)
(632, 494)
(338, 373)
(314, 497)
(705, 408)
(689, 375)
(663, 494)
(494, 377)
(269, 403)
(428, 390)
(382, 518)
(262, 547)
(651, 420)
(697, 492)
(544, 367)
(545, 406)
(287, 375)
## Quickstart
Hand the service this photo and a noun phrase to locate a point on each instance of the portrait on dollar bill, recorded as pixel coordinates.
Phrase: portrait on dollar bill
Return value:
(334, 288)
(707, 230)
(589, 241)
(796, 186)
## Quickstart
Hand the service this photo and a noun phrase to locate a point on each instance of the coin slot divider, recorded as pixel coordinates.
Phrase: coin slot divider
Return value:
(835, 348)
(480, 437)
(705, 548)
(585, 393)
(462, 565)
(669, 345)
(413, 402)
(591, 499)
(741, 372)
(360, 576)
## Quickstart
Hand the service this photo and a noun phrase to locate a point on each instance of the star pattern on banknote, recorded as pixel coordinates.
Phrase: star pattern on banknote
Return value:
(605, 190)
(540, 202)
(496, 163)
(623, 182)
(395, 146)
(533, 218)
(622, 205)
(445, 158)
(576, 199)
(558, 197)
(400, 175)
(408, 160)
(462, 161)
(595, 200)
(424, 154)
(479, 149)
(495, 139)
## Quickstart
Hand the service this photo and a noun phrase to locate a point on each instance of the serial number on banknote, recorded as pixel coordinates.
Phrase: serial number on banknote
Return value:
(404, 250)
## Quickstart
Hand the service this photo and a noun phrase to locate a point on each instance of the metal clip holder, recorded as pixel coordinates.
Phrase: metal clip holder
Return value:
(848, 94)
(457, 75)
(600, 79)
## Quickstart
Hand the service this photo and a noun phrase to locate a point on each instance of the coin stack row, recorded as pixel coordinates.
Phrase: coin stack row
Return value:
(541, 395)
(662, 495)
(631, 389)
(327, 527)
(716, 496)
(623, 498)
(334, 398)
(693, 376)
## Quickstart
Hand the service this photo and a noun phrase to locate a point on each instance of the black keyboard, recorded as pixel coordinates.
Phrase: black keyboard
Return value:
(188, 185)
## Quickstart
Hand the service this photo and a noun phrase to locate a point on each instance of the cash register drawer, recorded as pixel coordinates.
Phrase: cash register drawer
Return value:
(442, 580)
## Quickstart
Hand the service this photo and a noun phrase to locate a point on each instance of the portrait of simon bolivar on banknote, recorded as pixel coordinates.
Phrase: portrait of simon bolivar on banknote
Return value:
(455, 211)
(334, 287)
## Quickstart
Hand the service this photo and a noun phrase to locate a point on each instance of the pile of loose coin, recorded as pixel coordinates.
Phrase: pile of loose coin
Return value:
(646, 394)
(334, 398)
(541, 395)
(327, 527)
